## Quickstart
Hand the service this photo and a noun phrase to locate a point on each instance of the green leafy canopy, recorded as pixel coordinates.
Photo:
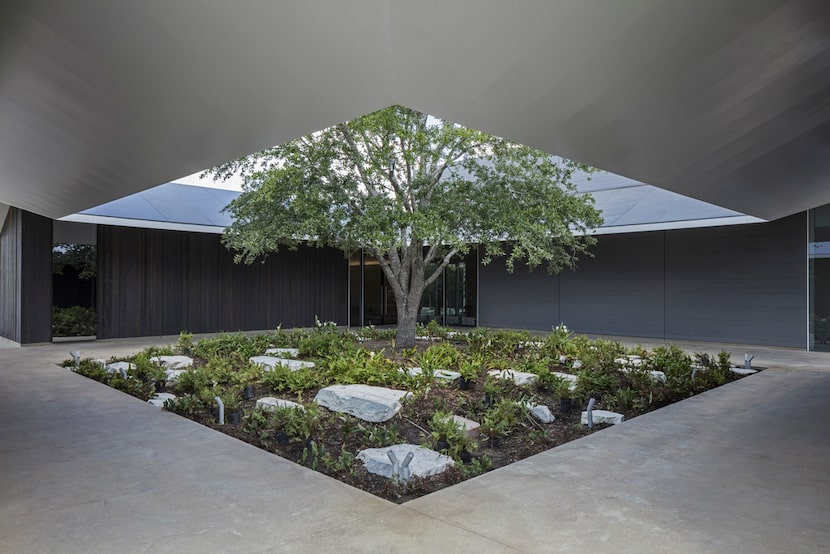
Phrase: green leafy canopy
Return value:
(411, 190)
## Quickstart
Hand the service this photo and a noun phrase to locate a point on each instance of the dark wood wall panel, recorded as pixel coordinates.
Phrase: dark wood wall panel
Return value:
(522, 299)
(155, 282)
(36, 285)
(743, 284)
(26, 277)
(620, 290)
(10, 268)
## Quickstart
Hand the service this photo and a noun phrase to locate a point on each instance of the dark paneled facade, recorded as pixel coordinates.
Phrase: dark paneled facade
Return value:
(153, 282)
(26, 277)
(742, 283)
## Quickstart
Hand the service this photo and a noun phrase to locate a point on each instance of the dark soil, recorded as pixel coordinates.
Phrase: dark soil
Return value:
(337, 433)
(338, 438)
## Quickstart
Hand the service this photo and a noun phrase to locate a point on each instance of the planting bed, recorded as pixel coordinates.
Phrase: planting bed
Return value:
(630, 382)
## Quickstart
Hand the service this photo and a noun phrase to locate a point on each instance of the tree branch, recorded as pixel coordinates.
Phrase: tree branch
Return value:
(444, 263)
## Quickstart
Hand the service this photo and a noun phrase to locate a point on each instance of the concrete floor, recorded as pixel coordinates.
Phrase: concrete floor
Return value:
(743, 468)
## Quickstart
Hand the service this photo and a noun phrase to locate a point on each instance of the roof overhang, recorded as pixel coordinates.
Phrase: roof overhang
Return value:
(726, 102)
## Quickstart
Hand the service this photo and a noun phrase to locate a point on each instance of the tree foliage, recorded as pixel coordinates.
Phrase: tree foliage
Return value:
(410, 190)
(79, 256)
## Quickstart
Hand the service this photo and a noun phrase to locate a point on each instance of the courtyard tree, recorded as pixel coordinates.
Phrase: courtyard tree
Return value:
(413, 192)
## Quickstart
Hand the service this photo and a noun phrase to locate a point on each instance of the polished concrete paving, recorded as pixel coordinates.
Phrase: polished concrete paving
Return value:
(743, 468)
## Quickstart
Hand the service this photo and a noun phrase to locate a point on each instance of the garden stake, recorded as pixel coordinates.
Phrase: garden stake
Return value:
(406, 473)
(694, 372)
(395, 468)
(76, 357)
(221, 410)
(591, 413)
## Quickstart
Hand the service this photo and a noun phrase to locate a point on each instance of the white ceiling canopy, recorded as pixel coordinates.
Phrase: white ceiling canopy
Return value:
(727, 102)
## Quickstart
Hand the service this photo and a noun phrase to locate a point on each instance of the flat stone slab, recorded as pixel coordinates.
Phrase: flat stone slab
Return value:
(542, 413)
(173, 374)
(653, 373)
(159, 398)
(375, 404)
(116, 367)
(174, 362)
(289, 352)
(270, 362)
(603, 416)
(657, 375)
(518, 377)
(531, 344)
(444, 374)
(568, 377)
(743, 370)
(470, 426)
(425, 462)
(270, 403)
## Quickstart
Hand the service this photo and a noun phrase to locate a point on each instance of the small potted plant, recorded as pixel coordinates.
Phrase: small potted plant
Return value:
(562, 389)
(494, 428)
(248, 378)
(491, 389)
(233, 408)
(159, 376)
(469, 372)
(448, 436)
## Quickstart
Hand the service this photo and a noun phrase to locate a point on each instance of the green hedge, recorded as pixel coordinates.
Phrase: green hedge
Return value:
(76, 321)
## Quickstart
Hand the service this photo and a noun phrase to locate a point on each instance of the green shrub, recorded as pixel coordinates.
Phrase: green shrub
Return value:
(439, 356)
(229, 345)
(504, 418)
(76, 321)
(281, 379)
(597, 384)
(443, 428)
(187, 405)
(192, 381)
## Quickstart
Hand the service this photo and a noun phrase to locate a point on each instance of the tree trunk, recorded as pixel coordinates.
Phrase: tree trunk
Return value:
(407, 322)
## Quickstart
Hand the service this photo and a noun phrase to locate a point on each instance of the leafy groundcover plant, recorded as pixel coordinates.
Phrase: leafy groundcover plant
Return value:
(619, 379)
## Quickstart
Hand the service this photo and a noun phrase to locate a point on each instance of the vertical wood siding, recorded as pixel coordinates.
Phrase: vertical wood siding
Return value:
(26, 277)
(153, 282)
(742, 283)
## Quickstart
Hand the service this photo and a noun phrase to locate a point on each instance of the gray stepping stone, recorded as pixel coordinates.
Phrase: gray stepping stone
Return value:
(375, 404)
(289, 352)
(743, 370)
(603, 416)
(425, 462)
(657, 375)
(444, 374)
(116, 367)
(173, 374)
(270, 362)
(629, 361)
(269, 403)
(174, 362)
(542, 413)
(518, 377)
(568, 377)
(159, 398)
(470, 426)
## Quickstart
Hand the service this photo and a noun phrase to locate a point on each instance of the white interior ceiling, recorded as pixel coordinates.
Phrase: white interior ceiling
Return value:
(728, 102)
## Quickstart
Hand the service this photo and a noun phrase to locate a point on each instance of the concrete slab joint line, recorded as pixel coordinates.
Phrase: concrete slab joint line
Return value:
(721, 471)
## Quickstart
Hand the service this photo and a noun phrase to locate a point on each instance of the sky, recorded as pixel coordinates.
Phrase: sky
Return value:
(234, 183)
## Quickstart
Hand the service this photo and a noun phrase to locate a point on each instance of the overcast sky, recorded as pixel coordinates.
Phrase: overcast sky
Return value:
(234, 183)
